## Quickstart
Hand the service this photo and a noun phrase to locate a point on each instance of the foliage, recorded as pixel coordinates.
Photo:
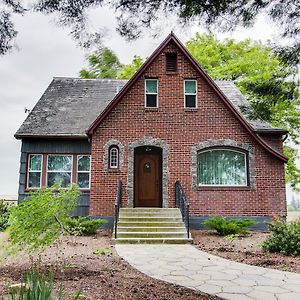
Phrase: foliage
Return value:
(36, 286)
(102, 251)
(284, 238)
(129, 70)
(102, 64)
(4, 214)
(269, 84)
(105, 64)
(38, 221)
(226, 227)
(83, 226)
(134, 15)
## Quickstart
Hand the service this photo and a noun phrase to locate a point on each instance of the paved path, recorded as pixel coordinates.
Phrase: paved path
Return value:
(189, 267)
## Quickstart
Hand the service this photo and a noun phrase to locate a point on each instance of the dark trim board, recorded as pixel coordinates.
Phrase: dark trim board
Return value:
(196, 222)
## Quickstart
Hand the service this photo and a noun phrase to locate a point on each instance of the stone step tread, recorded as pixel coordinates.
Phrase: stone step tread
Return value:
(153, 240)
(153, 233)
(147, 227)
(150, 224)
(152, 217)
(149, 214)
(149, 209)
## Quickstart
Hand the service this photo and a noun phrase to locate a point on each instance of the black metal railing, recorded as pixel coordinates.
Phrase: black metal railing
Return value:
(118, 203)
(183, 204)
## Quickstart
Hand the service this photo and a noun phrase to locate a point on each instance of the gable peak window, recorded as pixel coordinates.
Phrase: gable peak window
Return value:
(151, 93)
(190, 93)
(113, 162)
(222, 167)
(171, 62)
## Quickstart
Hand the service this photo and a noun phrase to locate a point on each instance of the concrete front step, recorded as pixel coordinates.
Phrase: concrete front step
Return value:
(150, 219)
(153, 241)
(151, 225)
(122, 223)
(162, 235)
(151, 229)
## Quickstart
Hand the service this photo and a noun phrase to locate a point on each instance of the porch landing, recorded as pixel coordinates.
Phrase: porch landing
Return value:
(151, 226)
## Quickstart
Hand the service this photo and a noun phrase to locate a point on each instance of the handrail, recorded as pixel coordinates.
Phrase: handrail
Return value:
(118, 203)
(183, 204)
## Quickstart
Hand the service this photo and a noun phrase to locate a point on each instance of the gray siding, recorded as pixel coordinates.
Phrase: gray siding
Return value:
(53, 146)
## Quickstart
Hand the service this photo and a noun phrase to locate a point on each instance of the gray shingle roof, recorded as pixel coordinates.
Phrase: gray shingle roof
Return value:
(70, 105)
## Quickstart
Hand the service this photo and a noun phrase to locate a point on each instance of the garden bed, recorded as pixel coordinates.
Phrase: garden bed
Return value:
(96, 275)
(245, 250)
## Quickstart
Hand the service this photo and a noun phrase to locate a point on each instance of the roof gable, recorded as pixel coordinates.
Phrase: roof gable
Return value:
(173, 39)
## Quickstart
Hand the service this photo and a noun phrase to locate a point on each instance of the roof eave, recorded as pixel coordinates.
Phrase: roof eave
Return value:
(50, 136)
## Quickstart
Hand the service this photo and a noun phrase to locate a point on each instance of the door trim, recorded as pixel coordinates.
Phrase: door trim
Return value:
(148, 141)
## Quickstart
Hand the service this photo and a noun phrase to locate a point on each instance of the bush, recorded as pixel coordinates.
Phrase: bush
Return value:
(83, 225)
(4, 214)
(38, 221)
(225, 226)
(284, 238)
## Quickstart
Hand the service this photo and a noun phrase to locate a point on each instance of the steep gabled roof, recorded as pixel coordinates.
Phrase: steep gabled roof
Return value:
(173, 39)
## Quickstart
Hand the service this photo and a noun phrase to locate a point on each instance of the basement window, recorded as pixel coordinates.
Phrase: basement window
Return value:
(171, 62)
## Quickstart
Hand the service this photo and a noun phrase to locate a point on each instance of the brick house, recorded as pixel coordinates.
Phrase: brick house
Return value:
(170, 122)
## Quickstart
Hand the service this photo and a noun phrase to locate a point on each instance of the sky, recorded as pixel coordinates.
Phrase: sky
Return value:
(46, 51)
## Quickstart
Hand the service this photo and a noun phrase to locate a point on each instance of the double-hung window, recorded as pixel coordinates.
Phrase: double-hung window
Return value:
(222, 167)
(83, 171)
(59, 170)
(190, 93)
(34, 179)
(151, 93)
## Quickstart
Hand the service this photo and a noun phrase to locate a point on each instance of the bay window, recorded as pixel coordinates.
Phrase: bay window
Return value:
(59, 170)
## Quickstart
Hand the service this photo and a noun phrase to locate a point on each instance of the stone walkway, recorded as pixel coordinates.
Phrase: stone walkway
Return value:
(192, 268)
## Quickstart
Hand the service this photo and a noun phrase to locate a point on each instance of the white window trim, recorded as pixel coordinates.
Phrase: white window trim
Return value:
(109, 157)
(226, 185)
(52, 171)
(150, 79)
(82, 172)
(192, 94)
(29, 171)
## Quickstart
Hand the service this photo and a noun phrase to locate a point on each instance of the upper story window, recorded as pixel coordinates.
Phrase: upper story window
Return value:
(190, 93)
(34, 179)
(171, 62)
(151, 93)
(222, 167)
(113, 157)
(59, 170)
(83, 171)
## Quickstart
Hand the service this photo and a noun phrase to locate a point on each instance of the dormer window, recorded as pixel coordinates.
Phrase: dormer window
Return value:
(190, 94)
(151, 93)
(171, 62)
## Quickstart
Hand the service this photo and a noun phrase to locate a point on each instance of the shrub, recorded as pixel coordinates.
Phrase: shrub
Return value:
(225, 226)
(38, 221)
(284, 238)
(83, 225)
(4, 214)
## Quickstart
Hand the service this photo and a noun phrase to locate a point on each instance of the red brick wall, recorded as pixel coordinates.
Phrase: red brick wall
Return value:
(181, 129)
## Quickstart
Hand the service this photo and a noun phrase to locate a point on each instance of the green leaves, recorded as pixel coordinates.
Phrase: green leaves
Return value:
(225, 227)
(38, 221)
(268, 82)
(284, 238)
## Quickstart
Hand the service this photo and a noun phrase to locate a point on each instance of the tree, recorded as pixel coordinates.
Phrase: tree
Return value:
(269, 83)
(102, 64)
(39, 220)
(135, 15)
(129, 70)
(105, 64)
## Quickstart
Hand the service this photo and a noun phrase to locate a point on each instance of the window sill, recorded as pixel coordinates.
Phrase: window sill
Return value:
(171, 73)
(113, 170)
(149, 109)
(223, 188)
(36, 189)
(190, 109)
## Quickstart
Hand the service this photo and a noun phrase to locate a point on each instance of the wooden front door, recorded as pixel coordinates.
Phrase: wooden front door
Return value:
(147, 177)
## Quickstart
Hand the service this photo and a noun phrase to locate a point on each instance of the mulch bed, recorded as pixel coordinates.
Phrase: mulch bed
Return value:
(97, 276)
(245, 250)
